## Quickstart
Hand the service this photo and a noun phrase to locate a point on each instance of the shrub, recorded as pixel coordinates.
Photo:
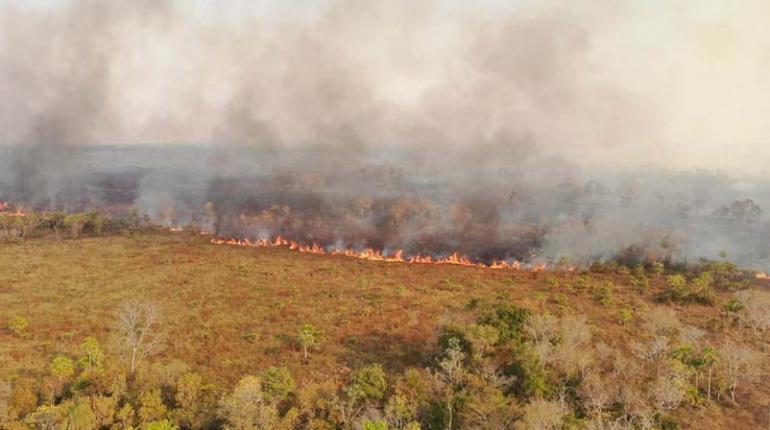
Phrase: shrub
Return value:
(375, 425)
(368, 382)
(625, 315)
(62, 367)
(18, 325)
(509, 322)
(160, 425)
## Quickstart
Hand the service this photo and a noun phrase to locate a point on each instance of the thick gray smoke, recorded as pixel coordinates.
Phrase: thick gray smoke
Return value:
(535, 130)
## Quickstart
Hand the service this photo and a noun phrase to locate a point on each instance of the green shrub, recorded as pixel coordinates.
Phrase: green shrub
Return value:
(368, 382)
(509, 322)
(18, 325)
(625, 315)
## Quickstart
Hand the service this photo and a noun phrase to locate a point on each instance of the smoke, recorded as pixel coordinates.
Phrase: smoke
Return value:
(525, 130)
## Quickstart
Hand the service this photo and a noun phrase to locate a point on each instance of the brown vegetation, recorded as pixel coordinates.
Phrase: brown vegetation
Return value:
(268, 338)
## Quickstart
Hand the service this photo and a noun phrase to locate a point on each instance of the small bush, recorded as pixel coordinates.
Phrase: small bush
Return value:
(18, 325)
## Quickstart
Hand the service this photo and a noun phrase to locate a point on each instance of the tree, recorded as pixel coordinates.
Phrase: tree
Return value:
(449, 378)
(482, 338)
(572, 354)
(195, 400)
(277, 383)
(61, 369)
(368, 382)
(151, 406)
(400, 411)
(125, 416)
(246, 407)
(542, 415)
(509, 321)
(308, 338)
(79, 416)
(737, 363)
(138, 331)
(757, 311)
(709, 359)
(104, 408)
(596, 394)
(45, 418)
(160, 425)
(485, 406)
(93, 352)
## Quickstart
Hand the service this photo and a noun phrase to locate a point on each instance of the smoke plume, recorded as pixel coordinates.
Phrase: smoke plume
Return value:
(531, 130)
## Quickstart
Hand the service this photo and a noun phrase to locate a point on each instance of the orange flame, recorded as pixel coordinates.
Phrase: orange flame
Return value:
(5, 210)
(763, 276)
(397, 256)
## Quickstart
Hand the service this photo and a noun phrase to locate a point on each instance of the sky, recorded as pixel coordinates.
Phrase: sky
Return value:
(675, 83)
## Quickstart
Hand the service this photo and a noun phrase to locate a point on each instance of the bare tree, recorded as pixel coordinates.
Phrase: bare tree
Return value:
(757, 311)
(662, 321)
(737, 363)
(138, 332)
(542, 415)
(597, 393)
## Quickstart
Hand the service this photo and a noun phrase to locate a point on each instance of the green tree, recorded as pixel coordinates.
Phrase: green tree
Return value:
(400, 411)
(125, 416)
(450, 378)
(160, 425)
(79, 416)
(308, 338)
(151, 406)
(509, 322)
(709, 358)
(45, 418)
(93, 352)
(61, 368)
(196, 401)
(277, 383)
(188, 390)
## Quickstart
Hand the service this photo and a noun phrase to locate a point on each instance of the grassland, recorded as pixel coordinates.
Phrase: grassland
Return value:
(232, 311)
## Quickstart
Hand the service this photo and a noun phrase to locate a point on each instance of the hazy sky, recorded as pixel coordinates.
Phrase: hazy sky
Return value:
(675, 83)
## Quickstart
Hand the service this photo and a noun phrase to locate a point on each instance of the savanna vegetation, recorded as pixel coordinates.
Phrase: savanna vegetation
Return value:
(129, 327)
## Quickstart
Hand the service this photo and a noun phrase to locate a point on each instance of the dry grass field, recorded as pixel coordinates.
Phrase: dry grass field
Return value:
(231, 311)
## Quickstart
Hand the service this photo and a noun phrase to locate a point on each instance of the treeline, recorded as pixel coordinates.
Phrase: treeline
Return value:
(507, 368)
(27, 225)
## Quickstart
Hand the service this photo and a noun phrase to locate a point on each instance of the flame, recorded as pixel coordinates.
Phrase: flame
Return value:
(5, 210)
(370, 254)
(763, 276)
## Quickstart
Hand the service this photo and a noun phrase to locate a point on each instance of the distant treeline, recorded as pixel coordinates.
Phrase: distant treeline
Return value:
(26, 225)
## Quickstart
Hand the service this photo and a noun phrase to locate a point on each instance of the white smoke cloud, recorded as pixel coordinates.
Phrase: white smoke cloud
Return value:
(675, 83)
